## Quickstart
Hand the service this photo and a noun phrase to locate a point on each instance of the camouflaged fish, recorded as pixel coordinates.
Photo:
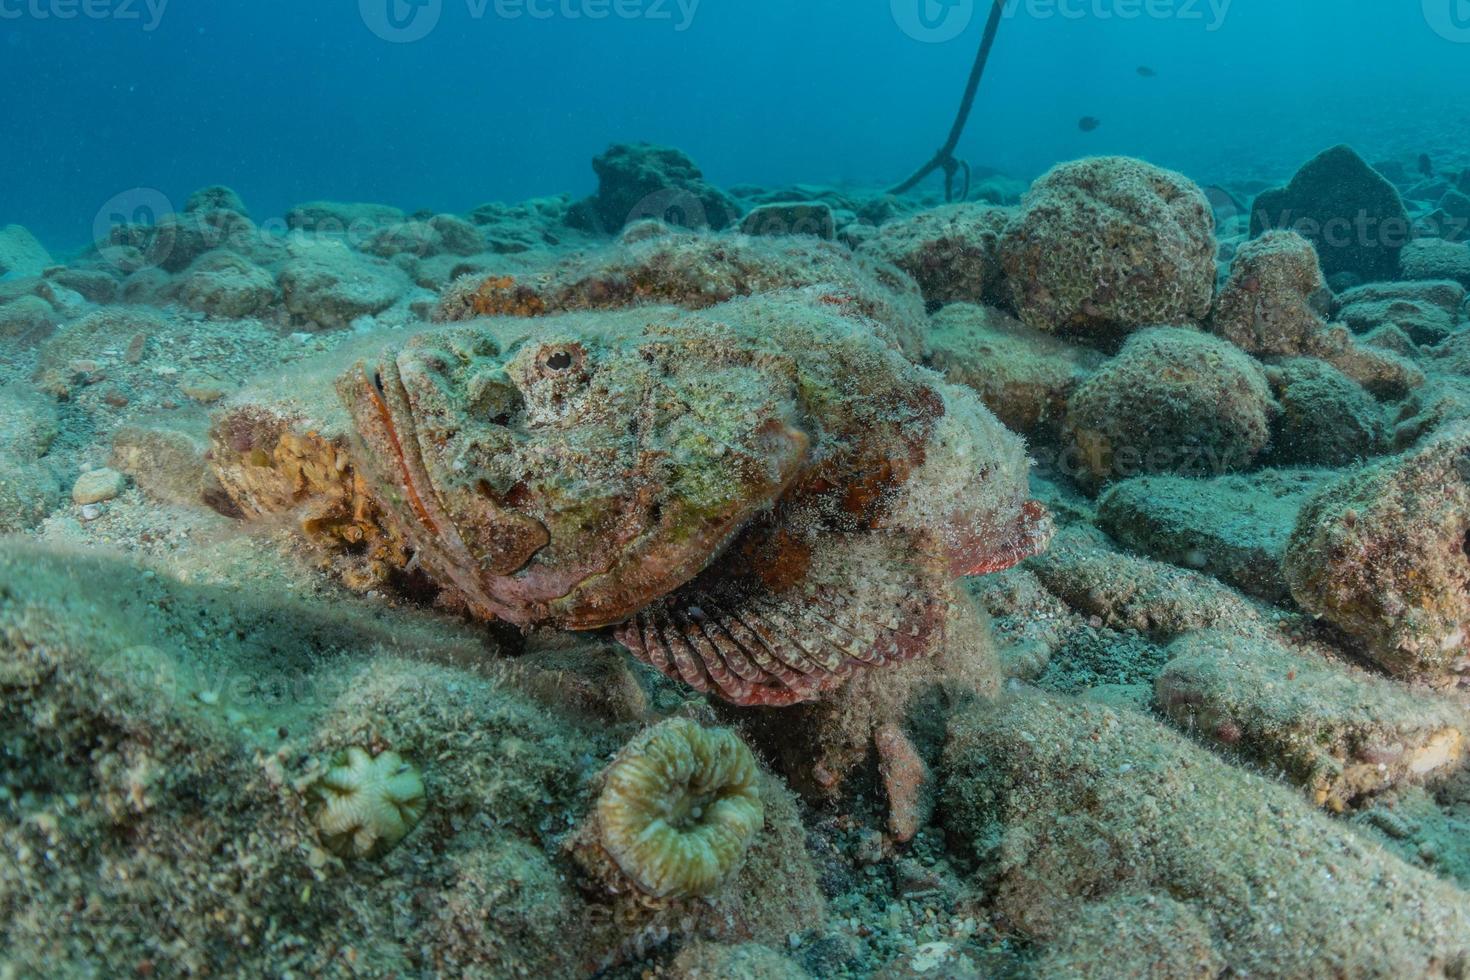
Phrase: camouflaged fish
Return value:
(758, 499)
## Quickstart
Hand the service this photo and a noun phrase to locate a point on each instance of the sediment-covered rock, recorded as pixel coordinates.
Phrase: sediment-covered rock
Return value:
(950, 251)
(1435, 258)
(1234, 527)
(1341, 733)
(1326, 419)
(1381, 553)
(641, 180)
(1067, 803)
(20, 253)
(326, 285)
(1174, 400)
(1275, 299)
(1345, 208)
(1023, 375)
(1105, 245)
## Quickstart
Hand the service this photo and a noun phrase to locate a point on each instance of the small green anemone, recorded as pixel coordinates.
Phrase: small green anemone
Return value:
(679, 807)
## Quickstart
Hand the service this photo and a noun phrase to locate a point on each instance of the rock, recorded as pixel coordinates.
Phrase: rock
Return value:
(1339, 732)
(457, 235)
(950, 251)
(166, 459)
(1435, 258)
(1066, 803)
(641, 180)
(96, 486)
(791, 218)
(906, 782)
(29, 489)
(215, 198)
(94, 285)
(1443, 399)
(1346, 209)
(416, 238)
(1384, 374)
(744, 961)
(1174, 400)
(1381, 554)
(1327, 419)
(178, 239)
(1424, 322)
(1235, 528)
(1452, 217)
(1023, 375)
(1390, 338)
(26, 322)
(224, 284)
(20, 253)
(357, 222)
(1275, 299)
(1446, 294)
(326, 285)
(1132, 935)
(950, 960)
(203, 386)
(1105, 245)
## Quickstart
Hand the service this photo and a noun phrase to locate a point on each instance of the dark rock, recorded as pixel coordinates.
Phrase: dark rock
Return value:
(215, 198)
(1326, 419)
(641, 180)
(791, 218)
(1349, 211)
(1434, 258)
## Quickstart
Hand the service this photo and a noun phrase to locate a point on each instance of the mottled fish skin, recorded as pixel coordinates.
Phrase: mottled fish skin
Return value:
(760, 498)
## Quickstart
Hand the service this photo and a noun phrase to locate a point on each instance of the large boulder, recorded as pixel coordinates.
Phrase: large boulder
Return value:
(950, 252)
(641, 180)
(20, 253)
(1107, 245)
(1349, 211)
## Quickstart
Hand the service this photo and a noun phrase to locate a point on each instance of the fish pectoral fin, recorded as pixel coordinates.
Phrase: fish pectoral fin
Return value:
(754, 645)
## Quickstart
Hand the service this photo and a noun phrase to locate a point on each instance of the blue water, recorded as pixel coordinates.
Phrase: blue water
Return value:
(289, 100)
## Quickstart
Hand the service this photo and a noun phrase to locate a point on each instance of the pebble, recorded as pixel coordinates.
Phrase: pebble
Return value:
(98, 485)
(202, 387)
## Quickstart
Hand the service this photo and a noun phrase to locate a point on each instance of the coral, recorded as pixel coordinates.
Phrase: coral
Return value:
(679, 807)
(950, 252)
(1346, 209)
(1106, 245)
(641, 180)
(367, 803)
(1326, 418)
(1174, 400)
(1065, 803)
(1275, 299)
(1342, 733)
(1022, 375)
(1381, 554)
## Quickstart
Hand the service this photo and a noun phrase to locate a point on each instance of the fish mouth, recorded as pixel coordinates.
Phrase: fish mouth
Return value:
(1028, 537)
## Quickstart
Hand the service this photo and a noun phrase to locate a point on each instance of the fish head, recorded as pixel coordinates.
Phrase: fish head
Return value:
(571, 470)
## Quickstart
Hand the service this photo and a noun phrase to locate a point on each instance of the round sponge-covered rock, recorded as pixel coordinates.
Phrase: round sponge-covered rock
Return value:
(1174, 400)
(1382, 554)
(679, 807)
(1276, 296)
(1105, 245)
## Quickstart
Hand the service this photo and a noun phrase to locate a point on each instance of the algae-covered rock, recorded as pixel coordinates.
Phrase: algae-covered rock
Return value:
(1446, 294)
(1023, 375)
(224, 284)
(1342, 733)
(26, 322)
(1435, 258)
(1174, 400)
(1233, 527)
(1424, 321)
(1381, 554)
(785, 218)
(641, 180)
(20, 253)
(1326, 418)
(29, 487)
(326, 285)
(1066, 803)
(1345, 208)
(1106, 245)
(950, 251)
(1139, 934)
(1275, 299)
(353, 220)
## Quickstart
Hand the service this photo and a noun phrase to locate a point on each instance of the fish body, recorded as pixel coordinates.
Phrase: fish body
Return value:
(1088, 123)
(1144, 71)
(758, 498)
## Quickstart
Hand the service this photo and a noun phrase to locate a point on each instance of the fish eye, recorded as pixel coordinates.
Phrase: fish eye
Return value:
(559, 361)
